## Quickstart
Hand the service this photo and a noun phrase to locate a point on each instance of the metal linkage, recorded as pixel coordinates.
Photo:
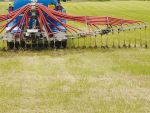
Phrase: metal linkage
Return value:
(78, 43)
(118, 39)
(113, 40)
(107, 41)
(49, 47)
(129, 39)
(4, 49)
(31, 47)
(72, 47)
(145, 38)
(25, 48)
(20, 47)
(102, 42)
(124, 45)
(61, 47)
(90, 43)
(140, 38)
(95, 42)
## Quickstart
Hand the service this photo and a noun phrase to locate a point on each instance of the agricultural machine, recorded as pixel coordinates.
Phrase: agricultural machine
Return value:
(41, 24)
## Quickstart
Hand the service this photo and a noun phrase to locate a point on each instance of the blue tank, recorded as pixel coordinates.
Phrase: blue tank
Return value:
(20, 3)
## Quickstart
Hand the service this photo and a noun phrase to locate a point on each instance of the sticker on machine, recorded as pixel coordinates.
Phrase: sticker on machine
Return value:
(61, 27)
(8, 28)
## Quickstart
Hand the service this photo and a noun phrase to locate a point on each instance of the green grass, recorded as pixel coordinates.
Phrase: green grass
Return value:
(80, 80)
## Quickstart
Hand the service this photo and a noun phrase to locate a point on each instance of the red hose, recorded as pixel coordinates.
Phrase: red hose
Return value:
(92, 21)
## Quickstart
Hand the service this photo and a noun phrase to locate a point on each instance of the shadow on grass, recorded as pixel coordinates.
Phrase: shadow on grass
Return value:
(53, 53)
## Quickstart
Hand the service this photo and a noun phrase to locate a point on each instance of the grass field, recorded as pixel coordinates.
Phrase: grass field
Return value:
(80, 80)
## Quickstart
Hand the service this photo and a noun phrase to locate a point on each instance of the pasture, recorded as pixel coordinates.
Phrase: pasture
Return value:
(81, 80)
